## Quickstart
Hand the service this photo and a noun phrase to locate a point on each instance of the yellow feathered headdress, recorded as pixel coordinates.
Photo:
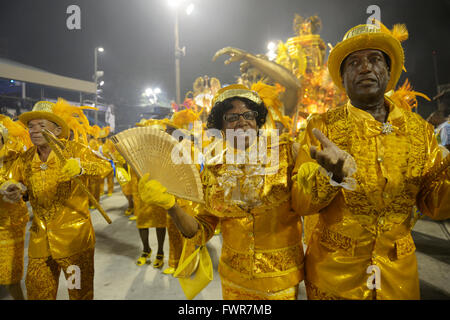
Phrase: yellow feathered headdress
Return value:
(270, 97)
(75, 118)
(183, 118)
(95, 131)
(14, 130)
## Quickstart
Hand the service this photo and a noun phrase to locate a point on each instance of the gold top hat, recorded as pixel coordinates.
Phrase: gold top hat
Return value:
(368, 36)
(44, 110)
(236, 90)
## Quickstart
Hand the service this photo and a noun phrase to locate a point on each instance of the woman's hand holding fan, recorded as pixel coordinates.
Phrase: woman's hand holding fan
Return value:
(153, 192)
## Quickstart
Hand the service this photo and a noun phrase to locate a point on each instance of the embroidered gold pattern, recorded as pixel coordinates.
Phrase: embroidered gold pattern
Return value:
(260, 264)
(335, 240)
(404, 246)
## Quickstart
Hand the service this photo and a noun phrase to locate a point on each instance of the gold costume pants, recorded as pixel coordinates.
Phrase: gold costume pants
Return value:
(12, 243)
(110, 182)
(175, 243)
(102, 187)
(232, 291)
(42, 278)
(94, 188)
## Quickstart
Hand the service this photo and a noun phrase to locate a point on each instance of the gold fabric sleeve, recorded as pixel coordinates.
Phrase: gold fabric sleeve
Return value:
(322, 192)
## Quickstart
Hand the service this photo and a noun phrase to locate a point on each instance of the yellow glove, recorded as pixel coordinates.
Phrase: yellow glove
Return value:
(72, 168)
(122, 176)
(153, 192)
(305, 174)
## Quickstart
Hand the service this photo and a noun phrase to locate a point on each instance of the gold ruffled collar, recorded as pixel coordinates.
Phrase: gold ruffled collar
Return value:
(396, 120)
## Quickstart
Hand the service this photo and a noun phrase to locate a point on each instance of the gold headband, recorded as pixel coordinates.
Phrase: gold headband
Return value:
(236, 90)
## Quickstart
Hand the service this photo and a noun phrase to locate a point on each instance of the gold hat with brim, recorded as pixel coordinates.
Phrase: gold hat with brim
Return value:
(236, 90)
(44, 110)
(362, 37)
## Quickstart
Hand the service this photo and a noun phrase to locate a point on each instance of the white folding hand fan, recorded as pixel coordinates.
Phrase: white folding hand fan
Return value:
(149, 150)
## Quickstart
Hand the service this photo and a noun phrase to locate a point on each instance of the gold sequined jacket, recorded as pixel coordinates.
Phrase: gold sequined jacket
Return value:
(61, 224)
(362, 246)
(261, 243)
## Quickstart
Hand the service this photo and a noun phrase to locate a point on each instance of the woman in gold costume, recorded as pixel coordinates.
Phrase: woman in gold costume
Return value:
(262, 255)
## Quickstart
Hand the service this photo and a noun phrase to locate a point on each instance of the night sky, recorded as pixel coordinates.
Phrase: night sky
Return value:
(138, 37)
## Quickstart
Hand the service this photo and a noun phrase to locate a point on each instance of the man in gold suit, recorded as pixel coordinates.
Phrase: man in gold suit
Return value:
(61, 235)
(362, 167)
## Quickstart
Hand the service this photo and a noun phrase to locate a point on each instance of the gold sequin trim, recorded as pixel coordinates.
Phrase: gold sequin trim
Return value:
(335, 240)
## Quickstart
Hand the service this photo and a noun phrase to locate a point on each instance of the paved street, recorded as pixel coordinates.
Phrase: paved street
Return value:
(118, 246)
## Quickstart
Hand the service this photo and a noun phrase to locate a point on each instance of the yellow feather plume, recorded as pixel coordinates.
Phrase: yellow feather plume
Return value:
(184, 117)
(75, 118)
(400, 32)
(95, 131)
(270, 96)
(406, 98)
(16, 131)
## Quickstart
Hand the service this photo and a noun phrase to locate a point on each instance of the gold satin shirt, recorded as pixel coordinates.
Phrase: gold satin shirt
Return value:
(370, 227)
(262, 246)
(61, 220)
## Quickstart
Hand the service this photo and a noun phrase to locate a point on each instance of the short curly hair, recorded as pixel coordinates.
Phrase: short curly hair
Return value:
(215, 117)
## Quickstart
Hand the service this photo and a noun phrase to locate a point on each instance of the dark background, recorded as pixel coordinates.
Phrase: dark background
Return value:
(138, 37)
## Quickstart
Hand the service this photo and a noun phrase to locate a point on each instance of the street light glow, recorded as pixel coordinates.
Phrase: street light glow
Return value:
(175, 3)
(271, 46)
(148, 92)
(101, 83)
(100, 49)
(190, 9)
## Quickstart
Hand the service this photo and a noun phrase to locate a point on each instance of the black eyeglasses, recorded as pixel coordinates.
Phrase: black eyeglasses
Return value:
(232, 117)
